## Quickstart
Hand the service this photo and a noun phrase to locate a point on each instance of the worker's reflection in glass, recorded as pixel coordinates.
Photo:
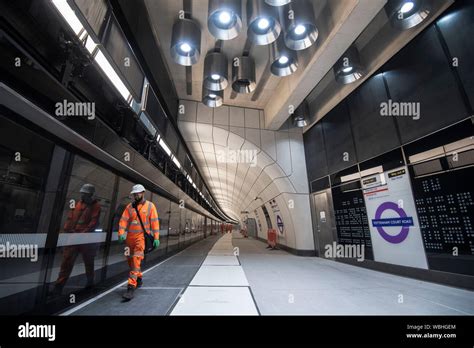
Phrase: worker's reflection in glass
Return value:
(83, 218)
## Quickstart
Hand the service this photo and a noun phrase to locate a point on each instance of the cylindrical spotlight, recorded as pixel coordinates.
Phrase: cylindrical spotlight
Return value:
(277, 2)
(215, 71)
(186, 42)
(348, 68)
(243, 75)
(283, 60)
(213, 99)
(263, 25)
(225, 18)
(405, 14)
(300, 115)
(300, 25)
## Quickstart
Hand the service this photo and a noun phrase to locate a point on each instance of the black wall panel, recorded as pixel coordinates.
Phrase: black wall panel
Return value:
(420, 72)
(94, 12)
(172, 138)
(315, 152)
(117, 47)
(338, 139)
(457, 28)
(135, 12)
(373, 134)
(155, 111)
(181, 155)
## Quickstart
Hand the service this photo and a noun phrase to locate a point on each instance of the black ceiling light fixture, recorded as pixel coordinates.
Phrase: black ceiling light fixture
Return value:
(215, 71)
(186, 42)
(406, 14)
(213, 99)
(262, 20)
(348, 68)
(283, 60)
(277, 2)
(225, 18)
(300, 115)
(243, 75)
(299, 25)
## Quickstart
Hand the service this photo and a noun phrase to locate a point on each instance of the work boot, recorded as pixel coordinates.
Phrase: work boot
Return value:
(129, 294)
(139, 282)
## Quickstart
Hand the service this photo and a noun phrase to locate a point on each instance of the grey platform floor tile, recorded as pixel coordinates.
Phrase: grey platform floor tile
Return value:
(287, 284)
(215, 301)
(215, 260)
(166, 275)
(220, 276)
(186, 260)
(146, 302)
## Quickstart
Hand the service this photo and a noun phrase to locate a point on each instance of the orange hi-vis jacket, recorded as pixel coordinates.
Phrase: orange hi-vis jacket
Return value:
(83, 218)
(130, 222)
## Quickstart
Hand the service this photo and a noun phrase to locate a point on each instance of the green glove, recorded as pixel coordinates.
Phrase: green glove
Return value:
(156, 243)
(121, 238)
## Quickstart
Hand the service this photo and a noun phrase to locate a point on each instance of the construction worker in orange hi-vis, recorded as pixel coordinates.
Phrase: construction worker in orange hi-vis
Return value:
(82, 218)
(135, 239)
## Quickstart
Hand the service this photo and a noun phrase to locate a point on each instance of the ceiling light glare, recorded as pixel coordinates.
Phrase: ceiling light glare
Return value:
(186, 42)
(405, 14)
(277, 2)
(224, 18)
(184, 47)
(165, 147)
(215, 71)
(407, 7)
(283, 60)
(243, 75)
(348, 68)
(112, 75)
(69, 15)
(263, 25)
(300, 31)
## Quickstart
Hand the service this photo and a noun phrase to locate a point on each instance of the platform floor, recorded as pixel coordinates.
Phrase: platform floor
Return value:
(230, 275)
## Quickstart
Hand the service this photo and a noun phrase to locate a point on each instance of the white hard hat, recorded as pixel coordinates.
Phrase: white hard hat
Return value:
(87, 188)
(137, 189)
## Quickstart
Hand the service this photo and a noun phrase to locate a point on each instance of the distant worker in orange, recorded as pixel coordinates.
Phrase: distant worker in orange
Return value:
(135, 240)
(83, 218)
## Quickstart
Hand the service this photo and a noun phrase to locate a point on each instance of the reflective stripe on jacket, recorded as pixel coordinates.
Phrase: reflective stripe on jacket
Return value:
(83, 218)
(129, 221)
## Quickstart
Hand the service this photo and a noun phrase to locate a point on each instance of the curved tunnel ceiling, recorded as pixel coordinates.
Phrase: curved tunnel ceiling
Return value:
(237, 171)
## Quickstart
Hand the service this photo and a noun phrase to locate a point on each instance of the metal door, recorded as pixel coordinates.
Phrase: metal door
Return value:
(252, 227)
(323, 223)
